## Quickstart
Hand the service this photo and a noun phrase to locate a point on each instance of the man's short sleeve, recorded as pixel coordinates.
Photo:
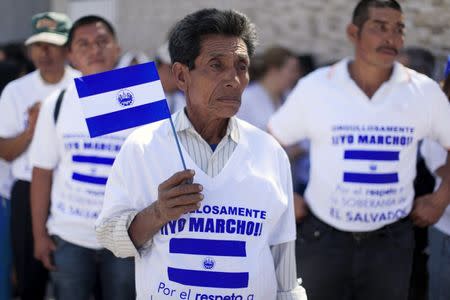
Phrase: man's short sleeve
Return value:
(44, 147)
(288, 123)
(440, 116)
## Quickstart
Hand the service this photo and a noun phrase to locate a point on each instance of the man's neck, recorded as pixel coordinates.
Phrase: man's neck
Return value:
(211, 130)
(52, 76)
(367, 77)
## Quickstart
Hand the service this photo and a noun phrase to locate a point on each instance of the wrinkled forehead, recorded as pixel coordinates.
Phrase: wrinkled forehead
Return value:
(215, 45)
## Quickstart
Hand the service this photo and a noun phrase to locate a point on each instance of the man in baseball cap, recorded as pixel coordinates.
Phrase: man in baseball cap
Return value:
(19, 109)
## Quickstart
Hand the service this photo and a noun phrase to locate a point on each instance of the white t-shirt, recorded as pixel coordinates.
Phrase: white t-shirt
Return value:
(256, 106)
(435, 156)
(363, 151)
(80, 165)
(16, 98)
(222, 249)
(6, 179)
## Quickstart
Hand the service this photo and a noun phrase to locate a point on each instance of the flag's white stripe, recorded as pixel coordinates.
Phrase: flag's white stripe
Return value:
(221, 263)
(104, 103)
(361, 166)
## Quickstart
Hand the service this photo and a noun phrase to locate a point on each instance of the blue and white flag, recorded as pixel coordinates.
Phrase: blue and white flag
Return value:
(122, 99)
(371, 166)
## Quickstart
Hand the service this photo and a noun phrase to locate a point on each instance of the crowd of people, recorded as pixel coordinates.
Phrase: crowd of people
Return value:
(327, 183)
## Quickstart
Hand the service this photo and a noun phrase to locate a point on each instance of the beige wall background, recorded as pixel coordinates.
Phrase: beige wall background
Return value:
(305, 26)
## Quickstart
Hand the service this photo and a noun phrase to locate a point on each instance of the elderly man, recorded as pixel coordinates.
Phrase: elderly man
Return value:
(231, 234)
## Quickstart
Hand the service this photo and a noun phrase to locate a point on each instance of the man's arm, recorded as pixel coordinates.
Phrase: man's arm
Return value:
(41, 184)
(175, 198)
(11, 148)
(286, 272)
(429, 208)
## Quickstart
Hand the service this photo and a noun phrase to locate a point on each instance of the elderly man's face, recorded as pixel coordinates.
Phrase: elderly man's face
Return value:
(214, 87)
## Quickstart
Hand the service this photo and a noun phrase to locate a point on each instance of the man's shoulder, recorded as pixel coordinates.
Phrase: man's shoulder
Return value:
(421, 80)
(315, 79)
(22, 83)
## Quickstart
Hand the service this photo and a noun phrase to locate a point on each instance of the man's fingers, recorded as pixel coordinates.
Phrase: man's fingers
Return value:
(184, 209)
(183, 189)
(185, 200)
(34, 108)
(176, 179)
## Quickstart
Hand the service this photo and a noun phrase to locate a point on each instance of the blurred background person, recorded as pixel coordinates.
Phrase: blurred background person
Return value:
(277, 71)
(19, 109)
(131, 58)
(175, 98)
(17, 53)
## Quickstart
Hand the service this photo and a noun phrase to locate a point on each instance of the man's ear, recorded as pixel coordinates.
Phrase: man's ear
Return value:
(180, 73)
(352, 32)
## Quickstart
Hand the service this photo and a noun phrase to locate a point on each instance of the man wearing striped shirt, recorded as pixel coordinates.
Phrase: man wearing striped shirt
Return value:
(231, 235)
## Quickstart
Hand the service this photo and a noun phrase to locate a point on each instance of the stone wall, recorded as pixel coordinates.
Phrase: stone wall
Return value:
(305, 26)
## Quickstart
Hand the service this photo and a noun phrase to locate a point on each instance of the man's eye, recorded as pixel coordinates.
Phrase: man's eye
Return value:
(82, 44)
(215, 65)
(243, 67)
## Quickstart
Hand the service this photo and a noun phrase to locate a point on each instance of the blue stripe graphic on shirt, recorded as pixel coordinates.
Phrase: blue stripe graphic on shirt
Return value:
(116, 79)
(372, 155)
(93, 159)
(207, 247)
(370, 178)
(127, 118)
(89, 179)
(223, 280)
(222, 248)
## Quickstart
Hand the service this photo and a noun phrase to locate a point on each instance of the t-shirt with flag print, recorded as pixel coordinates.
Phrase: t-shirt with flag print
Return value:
(221, 250)
(80, 165)
(363, 151)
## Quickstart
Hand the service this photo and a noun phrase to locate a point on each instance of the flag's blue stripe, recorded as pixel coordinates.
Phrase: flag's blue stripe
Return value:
(128, 118)
(224, 280)
(207, 247)
(372, 155)
(116, 79)
(370, 178)
(93, 160)
(89, 179)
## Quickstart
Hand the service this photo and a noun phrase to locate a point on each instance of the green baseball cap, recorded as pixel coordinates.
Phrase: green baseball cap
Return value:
(50, 27)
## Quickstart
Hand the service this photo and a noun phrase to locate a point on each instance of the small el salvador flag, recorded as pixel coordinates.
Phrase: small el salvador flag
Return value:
(122, 98)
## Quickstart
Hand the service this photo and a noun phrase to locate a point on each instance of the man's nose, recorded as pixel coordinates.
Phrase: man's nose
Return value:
(232, 78)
